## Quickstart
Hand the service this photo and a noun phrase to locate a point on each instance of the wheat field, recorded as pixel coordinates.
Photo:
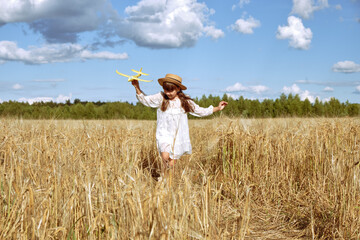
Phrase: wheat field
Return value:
(246, 179)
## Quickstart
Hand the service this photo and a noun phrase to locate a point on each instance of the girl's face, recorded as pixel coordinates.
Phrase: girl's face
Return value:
(171, 90)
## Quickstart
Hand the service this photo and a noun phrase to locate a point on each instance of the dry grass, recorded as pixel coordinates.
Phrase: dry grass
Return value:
(246, 179)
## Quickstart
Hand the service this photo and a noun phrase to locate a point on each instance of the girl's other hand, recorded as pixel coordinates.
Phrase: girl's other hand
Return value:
(222, 105)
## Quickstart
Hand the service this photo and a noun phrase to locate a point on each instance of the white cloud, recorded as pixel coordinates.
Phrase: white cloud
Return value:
(17, 86)
(299, 36)
(328, 89)
(166, 23)
(306, 95)
(357, 89)
(85, 54)
(246, 26)
(60, 99)
(338, 7)
(243, 2)
(258, 89)
(346, 67)
(295, 90)
(306, 8)
(149, 23)
(37, 99)
(57, 21)
(52, 53)
(233, 96)
(214, 33)
(240, 4)
(238, 87)
(1, 101)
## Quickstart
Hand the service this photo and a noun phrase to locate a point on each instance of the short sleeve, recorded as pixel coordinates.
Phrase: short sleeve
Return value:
(153, 101)
(200, 111)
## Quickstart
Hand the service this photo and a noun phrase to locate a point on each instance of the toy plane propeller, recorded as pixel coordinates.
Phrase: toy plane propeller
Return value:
(134, 77)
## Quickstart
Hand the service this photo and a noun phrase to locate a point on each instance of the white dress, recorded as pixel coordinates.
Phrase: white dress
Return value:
(172, 131)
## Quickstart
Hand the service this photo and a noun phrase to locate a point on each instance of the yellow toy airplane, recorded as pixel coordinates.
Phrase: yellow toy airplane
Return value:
(134, 77)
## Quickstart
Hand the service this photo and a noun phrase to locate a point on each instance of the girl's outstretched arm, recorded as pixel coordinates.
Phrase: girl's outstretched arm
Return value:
(203, 112)
(153, 101)
(221, 106)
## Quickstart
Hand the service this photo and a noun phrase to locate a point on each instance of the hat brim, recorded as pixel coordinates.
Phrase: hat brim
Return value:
(162, 80)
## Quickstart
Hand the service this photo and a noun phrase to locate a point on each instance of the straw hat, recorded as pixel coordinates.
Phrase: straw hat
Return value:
(173, 79)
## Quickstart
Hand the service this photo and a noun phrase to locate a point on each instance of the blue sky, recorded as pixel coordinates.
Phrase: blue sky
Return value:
(58, 50)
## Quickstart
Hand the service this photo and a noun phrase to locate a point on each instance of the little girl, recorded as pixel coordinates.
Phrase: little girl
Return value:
(172, 131)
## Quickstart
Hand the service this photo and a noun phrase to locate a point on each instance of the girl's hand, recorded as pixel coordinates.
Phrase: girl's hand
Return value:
(222, 105)
(135, 83)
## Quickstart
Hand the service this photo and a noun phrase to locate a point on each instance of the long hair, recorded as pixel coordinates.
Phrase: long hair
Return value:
(185, 100)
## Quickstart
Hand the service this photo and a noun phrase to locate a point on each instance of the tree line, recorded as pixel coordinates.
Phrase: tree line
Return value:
(284, 106)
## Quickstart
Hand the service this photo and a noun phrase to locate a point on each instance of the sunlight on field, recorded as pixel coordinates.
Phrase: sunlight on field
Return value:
(246, 179)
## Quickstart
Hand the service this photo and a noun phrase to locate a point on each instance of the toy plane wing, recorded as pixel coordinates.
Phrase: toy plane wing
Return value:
(140, 72)
(122, 74)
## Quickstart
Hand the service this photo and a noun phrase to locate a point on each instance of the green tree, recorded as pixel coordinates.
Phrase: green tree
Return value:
(306, 108)
(267, 108)
(77, 111)
(318, 108)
